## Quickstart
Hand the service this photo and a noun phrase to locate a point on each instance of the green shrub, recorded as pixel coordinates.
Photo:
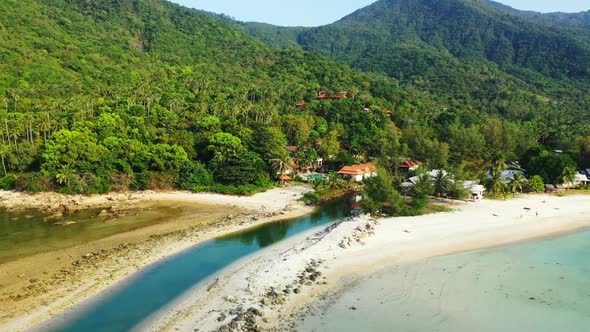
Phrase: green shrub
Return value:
(121, 181)
(7, 182)
(194, 175)
(140, 181)
(94, 184)
(311, 198)
(160, 181)
(34, 182)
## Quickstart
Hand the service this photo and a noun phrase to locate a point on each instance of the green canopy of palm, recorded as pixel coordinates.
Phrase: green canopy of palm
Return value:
(517, 183)
(281, 165)
(569, 176)
(495, 184)
(442, 183)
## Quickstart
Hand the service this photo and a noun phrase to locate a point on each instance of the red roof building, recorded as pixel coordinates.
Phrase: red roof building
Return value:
(359, 172)
(332, 95)
(410, 165)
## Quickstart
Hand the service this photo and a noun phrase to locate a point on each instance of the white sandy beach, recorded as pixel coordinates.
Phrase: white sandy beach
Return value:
(59, 285)
(356, 249)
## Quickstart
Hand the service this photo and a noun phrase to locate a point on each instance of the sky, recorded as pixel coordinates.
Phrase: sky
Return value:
(321, 12)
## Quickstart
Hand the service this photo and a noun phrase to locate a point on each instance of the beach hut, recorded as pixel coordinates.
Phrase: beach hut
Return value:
(408, 165)
(284, 179)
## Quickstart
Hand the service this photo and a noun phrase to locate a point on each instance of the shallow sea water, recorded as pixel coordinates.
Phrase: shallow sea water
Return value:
(535, 286)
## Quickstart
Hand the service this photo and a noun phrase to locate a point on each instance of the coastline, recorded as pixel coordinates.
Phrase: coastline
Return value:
(269, 288)
(38, 287)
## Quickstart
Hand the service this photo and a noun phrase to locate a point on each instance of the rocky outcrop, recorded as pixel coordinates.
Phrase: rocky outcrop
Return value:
(55, 203)
(360, 233)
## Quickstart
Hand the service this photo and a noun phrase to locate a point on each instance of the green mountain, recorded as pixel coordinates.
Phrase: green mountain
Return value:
(99, 95)
(466, 30)
(472, 54)
(581, 19)
(281, 37)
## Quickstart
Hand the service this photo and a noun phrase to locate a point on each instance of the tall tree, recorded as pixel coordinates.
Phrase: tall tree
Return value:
(517, 183)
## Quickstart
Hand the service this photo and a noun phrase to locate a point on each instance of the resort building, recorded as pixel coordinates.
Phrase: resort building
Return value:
(408, 165)
(580, 179)
(358, 172)
(511, 169)
(476, 190)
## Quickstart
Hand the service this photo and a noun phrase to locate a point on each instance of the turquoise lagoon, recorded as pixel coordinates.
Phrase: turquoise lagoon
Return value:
(535, 286)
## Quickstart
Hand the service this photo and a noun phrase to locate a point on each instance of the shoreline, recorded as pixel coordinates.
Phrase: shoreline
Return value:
(310, 266)
(94, 267)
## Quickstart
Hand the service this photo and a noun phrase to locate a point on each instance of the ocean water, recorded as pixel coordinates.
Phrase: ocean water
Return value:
(535, 286)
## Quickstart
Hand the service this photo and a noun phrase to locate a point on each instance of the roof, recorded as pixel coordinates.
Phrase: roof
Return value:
(284, 177)
(292, 148)
(358, 169)
(432, 174)
(410, 163)
(514, 167)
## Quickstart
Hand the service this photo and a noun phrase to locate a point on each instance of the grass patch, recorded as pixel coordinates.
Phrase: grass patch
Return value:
(436, 208)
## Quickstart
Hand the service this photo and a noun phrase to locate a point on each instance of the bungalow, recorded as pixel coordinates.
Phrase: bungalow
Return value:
(511, 169)
(284, 179)
(581, 179)
(432, 174)
(359, 172)
(323, 95)
(475, 189)
(409, 165)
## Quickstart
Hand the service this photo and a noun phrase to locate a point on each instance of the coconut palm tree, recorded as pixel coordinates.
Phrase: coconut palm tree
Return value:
(280, 165)
(569, 176)
(65, 175)
(517, 183)
(495, 183)
(3, 155)
(442, 183)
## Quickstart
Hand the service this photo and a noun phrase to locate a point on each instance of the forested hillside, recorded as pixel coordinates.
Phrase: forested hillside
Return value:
(469, 57)
(99, 95)
(475, 59)
(579, 20)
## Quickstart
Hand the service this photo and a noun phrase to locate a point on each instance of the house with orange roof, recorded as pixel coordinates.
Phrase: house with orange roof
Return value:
(359, 172)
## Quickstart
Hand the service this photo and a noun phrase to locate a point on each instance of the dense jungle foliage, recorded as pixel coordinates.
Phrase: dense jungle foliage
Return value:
(100, 95)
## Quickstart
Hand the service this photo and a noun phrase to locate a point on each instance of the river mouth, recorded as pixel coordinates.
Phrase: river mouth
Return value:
(127, 304)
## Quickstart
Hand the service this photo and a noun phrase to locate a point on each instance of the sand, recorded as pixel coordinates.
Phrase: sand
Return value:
(35, 288)
(307, 267)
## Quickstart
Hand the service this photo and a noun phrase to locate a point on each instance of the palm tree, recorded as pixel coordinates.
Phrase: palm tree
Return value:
(3, 154)
(569, 176)
(442, 183)
(281, 164)
(65, 175)
(517, 183)
(495, 183)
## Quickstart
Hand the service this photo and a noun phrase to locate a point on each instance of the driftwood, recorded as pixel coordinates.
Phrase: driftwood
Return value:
(215, 283)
